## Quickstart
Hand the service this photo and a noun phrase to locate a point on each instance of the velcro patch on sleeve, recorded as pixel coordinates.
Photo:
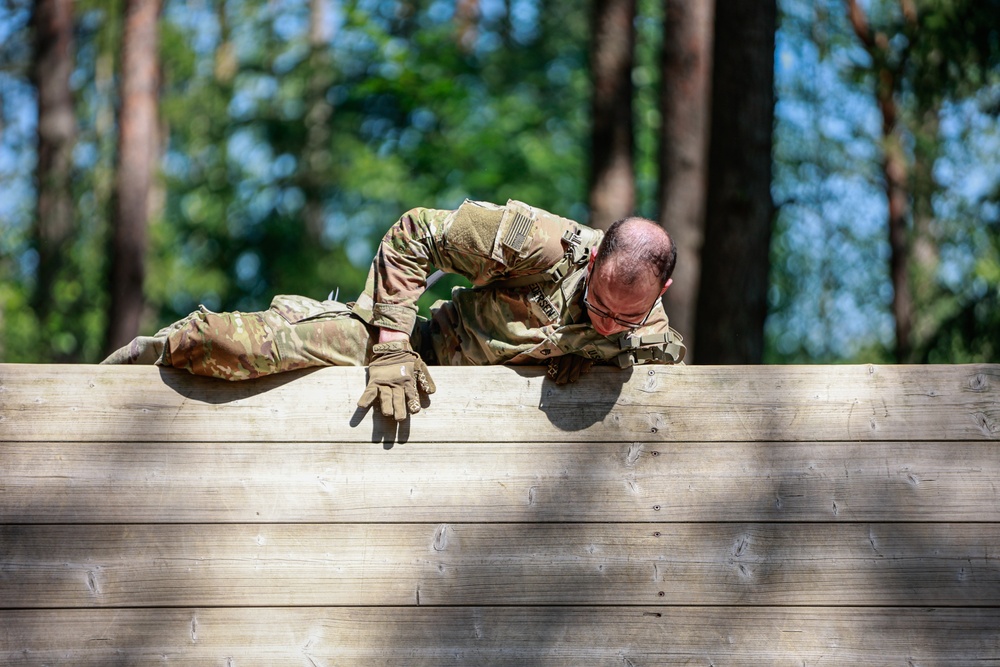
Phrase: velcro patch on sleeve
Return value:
(517, 228)
(474, 227)
(518, 232)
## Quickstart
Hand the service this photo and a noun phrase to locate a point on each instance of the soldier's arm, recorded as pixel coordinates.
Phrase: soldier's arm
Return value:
(398, 274)
(390, 335)
(421, 240)
(476, 241)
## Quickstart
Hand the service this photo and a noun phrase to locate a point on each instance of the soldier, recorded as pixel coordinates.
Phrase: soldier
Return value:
(546, 290)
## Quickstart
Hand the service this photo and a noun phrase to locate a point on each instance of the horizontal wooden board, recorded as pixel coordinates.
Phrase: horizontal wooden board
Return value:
(262, 482)
(473, 564)
(655, 403)
(541, 637)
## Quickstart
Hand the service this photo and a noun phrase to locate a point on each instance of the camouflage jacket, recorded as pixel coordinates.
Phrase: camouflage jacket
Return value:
(527, 268)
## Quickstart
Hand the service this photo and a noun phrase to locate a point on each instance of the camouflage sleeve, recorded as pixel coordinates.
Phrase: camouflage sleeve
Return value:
(398, 273)
(479, 241)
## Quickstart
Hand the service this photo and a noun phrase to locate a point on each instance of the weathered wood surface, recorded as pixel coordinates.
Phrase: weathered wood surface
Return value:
(654, 404)
(507, 564)
(703, 515)
(263, 482)
(538, 636)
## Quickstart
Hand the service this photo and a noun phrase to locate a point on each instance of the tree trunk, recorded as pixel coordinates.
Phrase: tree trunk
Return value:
(317, 158)
(895, 169)
(732, 298)
(685, 103)
(137, 128)
(896, 172)
(52, 66)
(612, 174)
(467, 24)
(924, 252)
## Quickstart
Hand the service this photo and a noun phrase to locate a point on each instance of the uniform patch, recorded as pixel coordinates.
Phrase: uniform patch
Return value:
(518, 232)
(474, 227)
(538, 296)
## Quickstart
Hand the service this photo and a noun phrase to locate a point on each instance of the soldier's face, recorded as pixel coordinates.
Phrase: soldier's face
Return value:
(615, 307)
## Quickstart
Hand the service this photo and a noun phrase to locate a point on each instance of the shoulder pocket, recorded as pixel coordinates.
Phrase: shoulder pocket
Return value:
(473, 227)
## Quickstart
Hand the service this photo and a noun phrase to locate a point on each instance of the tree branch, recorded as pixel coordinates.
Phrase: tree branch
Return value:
(859, 21)
(909, 12)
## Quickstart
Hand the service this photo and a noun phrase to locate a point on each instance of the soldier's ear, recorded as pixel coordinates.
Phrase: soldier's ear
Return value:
(670, 281)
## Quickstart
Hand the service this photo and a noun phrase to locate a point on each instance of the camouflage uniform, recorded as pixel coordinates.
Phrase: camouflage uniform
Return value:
(527, 268)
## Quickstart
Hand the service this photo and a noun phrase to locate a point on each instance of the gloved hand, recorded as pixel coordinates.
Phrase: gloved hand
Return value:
(394, 372)
(568, 368)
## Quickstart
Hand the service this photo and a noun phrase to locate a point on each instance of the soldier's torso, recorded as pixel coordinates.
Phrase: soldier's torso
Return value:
(529, 324)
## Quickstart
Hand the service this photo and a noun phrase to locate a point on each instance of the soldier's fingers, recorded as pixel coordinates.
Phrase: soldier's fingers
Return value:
(399, 412)
(565, 370)
(573, 372)
(412, 397)
(425, 379)
(367, 398)
(385, 401)
(579, 368)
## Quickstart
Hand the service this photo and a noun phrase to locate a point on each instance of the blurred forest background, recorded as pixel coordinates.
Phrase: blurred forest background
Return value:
(830, 169)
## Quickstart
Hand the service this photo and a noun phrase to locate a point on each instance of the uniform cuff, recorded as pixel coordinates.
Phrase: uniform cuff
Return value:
(397, 318)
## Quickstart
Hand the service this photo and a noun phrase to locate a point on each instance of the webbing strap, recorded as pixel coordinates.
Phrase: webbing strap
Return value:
(554, 274)
(649, 348)
(576, 254)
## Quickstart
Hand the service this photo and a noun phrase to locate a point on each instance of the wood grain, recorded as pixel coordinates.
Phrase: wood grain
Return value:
(241, 482)
(923, 564)
(547, 636)
(837, 515)
(655, 403)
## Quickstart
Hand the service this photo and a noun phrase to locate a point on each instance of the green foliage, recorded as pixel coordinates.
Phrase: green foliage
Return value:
(260, 201)
(286, 159)
(955, 49)
(830, 294)
(73, 328)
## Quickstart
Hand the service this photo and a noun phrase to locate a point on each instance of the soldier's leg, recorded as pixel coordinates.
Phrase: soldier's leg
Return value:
(319, 333)
(142, 350)
(148, 349)
(294, 333)
(231, 346)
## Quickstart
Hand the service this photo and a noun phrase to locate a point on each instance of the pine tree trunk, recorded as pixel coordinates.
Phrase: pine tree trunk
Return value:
(924, 252)
(52, 66)
(685, 103)
(732, 298)
(137, 128)
(317, 157)
(895, 170)
(467, 24)
(612, 174)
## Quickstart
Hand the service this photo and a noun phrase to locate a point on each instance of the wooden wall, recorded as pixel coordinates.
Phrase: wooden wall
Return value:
(664, 516)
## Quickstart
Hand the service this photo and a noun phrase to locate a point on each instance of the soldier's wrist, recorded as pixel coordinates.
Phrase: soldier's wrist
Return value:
(401, 345)
(391, 335)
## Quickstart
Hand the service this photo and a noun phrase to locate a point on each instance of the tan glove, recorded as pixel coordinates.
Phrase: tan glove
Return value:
(394, 373)
(568, 368)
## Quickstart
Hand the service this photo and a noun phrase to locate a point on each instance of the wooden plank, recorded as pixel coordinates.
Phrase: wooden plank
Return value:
(516, 564)
(254, 482)
(661, 403)
(542, 637)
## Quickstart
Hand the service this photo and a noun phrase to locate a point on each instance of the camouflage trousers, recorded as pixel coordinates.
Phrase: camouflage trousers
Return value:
(295, 332)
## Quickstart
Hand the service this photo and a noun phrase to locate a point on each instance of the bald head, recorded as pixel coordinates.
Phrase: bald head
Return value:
(637, 248)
